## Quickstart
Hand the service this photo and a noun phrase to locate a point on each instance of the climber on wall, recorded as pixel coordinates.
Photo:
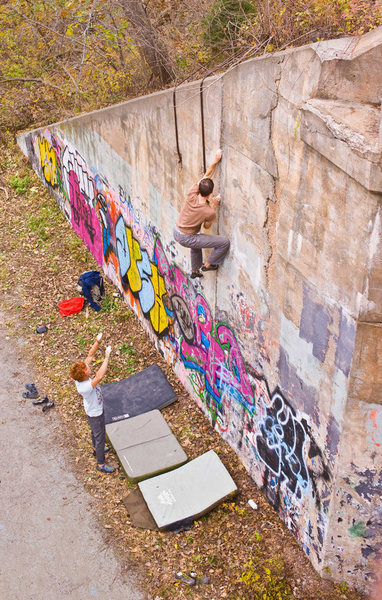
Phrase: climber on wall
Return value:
(200, 209)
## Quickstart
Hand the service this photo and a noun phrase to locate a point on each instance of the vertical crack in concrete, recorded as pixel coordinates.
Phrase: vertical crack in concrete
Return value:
(272, 206)
(221, 177)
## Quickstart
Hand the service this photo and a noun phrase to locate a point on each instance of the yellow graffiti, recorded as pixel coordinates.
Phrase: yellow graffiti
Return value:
(135, 254)
(158, 315)
(48, 161)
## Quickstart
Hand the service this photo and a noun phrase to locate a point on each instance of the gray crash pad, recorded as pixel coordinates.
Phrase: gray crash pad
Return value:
(176, 498)
(145, 445)
(139, 393)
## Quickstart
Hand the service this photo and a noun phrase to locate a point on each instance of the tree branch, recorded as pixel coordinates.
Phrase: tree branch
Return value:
(25, 79)
(85, 36)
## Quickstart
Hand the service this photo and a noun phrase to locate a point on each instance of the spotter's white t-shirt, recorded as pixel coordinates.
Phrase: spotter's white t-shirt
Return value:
(93, 403)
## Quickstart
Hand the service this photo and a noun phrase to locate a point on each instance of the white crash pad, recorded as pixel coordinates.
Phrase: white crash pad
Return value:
(184, 494)
(145, 445)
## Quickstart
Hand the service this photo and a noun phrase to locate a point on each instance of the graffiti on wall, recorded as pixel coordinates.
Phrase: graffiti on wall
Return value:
(96, 216)
(48, 161)
(280, 445)
(205, 351)
(84, 219)
(205, 347)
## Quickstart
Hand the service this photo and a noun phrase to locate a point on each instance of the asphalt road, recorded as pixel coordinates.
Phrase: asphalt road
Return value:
(50, 545)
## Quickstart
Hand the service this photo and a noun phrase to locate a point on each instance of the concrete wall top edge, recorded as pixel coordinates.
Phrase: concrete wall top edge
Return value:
(103, 111)
(343, 48)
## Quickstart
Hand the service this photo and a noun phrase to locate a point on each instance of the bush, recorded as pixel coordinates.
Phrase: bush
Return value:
(223, 22)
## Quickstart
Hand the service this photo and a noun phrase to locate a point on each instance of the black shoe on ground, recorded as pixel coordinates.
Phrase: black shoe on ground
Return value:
(31, 395)
(41, 401)
(31, 387)
(50, 404)
(41, 329)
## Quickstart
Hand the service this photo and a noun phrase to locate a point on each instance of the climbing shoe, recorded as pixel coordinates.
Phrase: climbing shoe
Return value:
(105, 469)
(210, 268)
(199, 578)
(31, 387)
(196, 274)
(184, 578)
(47, 406)
(31, 395)
(41, 401)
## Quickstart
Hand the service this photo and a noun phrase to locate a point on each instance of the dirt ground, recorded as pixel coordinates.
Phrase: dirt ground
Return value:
(248, 554)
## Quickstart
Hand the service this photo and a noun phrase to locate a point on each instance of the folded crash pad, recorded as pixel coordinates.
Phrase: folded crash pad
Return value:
(145, 445)
(176, 498)
(139, 393)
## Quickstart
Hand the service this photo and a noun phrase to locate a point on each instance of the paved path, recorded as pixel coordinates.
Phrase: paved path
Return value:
(50, 546)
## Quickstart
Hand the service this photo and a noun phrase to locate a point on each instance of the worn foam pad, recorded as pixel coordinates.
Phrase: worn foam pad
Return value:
(184, 494)
(139, 393)
(145, 445)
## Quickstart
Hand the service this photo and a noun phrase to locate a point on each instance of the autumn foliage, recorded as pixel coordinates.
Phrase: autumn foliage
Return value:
(292, 22)
(58, 58)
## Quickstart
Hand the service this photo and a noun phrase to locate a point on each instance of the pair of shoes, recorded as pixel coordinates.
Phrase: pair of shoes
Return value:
(210, 268)
(184, 578)
(41, 401)
(50, 404)
(199, 578)
(31, 387)
(105, 469)
(106, 449)
(31, 395)
(196, 274)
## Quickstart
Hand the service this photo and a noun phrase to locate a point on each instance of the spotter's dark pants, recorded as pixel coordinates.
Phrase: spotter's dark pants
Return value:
(97, 428)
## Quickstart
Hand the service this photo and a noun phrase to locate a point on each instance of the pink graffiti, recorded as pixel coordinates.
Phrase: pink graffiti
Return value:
(84, 219)
(236, 364)
(217, 356)
(373, 416)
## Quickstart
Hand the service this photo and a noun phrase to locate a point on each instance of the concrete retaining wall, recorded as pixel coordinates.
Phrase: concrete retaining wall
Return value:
(282, 347)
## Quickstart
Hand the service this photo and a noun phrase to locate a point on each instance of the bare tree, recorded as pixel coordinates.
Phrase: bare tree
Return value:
(148, 41)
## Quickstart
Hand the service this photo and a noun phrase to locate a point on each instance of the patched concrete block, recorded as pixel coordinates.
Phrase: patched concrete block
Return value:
(366, 373)
(345, 343)
(372, 311)
(314, 325)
